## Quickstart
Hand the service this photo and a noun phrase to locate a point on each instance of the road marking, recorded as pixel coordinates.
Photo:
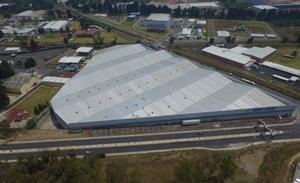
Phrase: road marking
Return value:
(195, 139)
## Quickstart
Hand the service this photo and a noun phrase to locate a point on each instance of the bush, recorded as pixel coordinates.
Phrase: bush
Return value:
(30, 62)
(101, 155)
(31, 124)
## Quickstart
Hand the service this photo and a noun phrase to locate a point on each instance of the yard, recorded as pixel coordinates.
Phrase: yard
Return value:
(278, 58)
(129, 23)
(288, 32)
(255, 27)
(76, 25)
(51, 38)
(109, 37)
(39, 96)
(208, 26)
(156, 33)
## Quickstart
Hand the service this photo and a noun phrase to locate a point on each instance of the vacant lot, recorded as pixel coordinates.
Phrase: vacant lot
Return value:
(208, 25)
(109, 37)
(278, 58)
(288, 32)
(225, 24)
(129, 23)
(39, 96)
(51, 38)
(255, 27)
(155, 33)
(75, 25)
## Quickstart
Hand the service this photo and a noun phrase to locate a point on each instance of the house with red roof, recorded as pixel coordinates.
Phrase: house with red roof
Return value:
(85, 33)
(16, 115)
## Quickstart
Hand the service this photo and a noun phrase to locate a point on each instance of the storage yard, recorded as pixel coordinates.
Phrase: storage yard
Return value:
(139, 94)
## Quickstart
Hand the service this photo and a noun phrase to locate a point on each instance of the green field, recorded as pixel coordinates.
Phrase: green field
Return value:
(76, 25)
(39, 96)
(156, 33)
(294, 63)
(129, 23)
(255, 27)
(51, 38)
(109, 37)
(208, 26)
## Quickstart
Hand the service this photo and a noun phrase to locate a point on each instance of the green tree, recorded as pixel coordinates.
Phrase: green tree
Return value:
(136, 176)
(31, 124)
(184, 172)
(36, 110)
(211, 40)
(6, 15)
(298, 37)
(66, 40)
(69, 36)
(138, 41)
(29, 62)
(171, 40)
(294, 53)
(284, 39)
(72, 153)
(5, 70)
(47, 103)
(227, 169)
(250, 40)
(33, 44)
(114, 42)
(108, 29)
(1, 34)
(4, 129)
(19, 63)
(116, 173)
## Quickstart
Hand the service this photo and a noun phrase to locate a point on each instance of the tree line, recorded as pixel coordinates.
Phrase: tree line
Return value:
(4, 100)
(20, 6)
(282, 18)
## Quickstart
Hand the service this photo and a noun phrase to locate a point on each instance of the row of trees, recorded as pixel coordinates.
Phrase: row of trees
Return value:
(29, 62)
(20, 6)
(5, 70)
(38, 109)
(4, 100)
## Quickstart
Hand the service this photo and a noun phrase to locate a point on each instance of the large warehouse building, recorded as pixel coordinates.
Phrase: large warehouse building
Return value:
(132, 85)
(158, 20)
(31, 15)
(56, 26)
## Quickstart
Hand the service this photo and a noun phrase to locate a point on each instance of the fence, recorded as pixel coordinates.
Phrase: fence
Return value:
(40, 119)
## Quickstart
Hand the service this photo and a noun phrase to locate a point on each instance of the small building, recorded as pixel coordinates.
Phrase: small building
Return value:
(10, 50)
(84, 51)
(31, 15)
(158, 20)
(54, 81)
(27, 31)
(257, 35)
(131, 18)
(101, 15)
(20, 125)
(84, 33)
(223, 34)
(259, 8)
(20, 83)
(204, 5)
(186, 32)
(199, 33)
(16, 115)
(201, 24)
(191, 20)
(70, 60)
(271, 36)
(137, 15)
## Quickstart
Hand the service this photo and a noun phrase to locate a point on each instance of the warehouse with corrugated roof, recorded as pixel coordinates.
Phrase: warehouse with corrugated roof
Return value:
(20, 83)
(132, 85)
(260, 54)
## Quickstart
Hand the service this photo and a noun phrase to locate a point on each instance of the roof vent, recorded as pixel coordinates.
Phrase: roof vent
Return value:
(168, 106)
(169, 73)
(89, 91)
(126, 106)
(190, 64)
(125, 77)
(147, 82)
(109, 98)
(120, 93)
(154, 79)
(129, 89)
(134, 74)
(105, 116)
(107, 84)
(67, 100)
(177, 70)
(98, 88)
(99, 102)
(78, 95)
(183, 67)
(184, 97)
(76, 112)
(142, 71)
(152, 112)
(138, 86)
(117, 81)
(89, 107)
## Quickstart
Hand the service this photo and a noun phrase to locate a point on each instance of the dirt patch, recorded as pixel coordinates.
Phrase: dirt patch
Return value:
(285, 167)
(257, 30)
(225, 24)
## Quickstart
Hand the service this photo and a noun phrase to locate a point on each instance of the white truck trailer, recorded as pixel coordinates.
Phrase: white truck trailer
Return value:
(190, 122)
(248, 81)
(199, 33)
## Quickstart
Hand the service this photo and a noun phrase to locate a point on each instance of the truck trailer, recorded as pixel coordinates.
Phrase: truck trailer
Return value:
(190, 122)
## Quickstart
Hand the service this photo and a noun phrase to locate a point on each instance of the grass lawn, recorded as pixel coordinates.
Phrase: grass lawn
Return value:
(13, 94)
(76, 25)
(109, 37)
(129, 23)
(211, 34)
(225, 24)
(288, 32)
(51, 38)
(39, 96)
(294, 63)
(156, 33)
(255, 27)
(208, 25)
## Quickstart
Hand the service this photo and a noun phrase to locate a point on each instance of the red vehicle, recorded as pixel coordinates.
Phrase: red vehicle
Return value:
(276, 117)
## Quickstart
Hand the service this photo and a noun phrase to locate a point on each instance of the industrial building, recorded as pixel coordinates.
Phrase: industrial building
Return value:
(137, 15)
(223, 34)
(56, 26)
(204, 5)
(27, 31)
(157, 20)
(256, 2)
(20, 83)
(31, 15)
(257, 35)
(228, 56)
(259, 8)
(260, 54)
(271, 36)
(131, 18)
(201, 24)
(54, 81)
(101, 15)
(70, 60)
(199, 33)
(132, 85)
(10, 50)
(84, 51)
(186, 32)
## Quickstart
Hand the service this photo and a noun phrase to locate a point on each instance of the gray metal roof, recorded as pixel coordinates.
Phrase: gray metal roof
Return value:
(131, 81)
(16, 82)
(158, 17)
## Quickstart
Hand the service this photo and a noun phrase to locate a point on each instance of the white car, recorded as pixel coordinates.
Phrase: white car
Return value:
(279, 117)
(87, 152)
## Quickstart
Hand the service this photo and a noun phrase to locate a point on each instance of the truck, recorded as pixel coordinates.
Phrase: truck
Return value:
(190, 122)
(199, 33)
(248, 81)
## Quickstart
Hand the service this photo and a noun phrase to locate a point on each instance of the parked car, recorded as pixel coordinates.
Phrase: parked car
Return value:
(279, 117)
(276, 117)
(87, 152)
(199, 133)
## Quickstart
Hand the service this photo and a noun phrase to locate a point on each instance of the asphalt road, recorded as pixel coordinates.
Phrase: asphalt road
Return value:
(216, 144)
(123, 139)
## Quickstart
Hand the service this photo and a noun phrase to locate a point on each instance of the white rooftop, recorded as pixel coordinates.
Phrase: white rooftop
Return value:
(12, 48)
(239, 50)
(191, 20)
(259, 52)
(133, 81)
(201, 22)
(265, 7)
(67, 59)
(55, 79)
(271, 35)
(84, 49)
(186, 31)
(31, 13)
(55, 25)
(158, 17)
(223, 33)
(204, 5)
(257, 35)
(228, 54)
(282, 68)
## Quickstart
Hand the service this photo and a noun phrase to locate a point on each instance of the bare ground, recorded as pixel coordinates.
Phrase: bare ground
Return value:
(285, 168)
(28, 135)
